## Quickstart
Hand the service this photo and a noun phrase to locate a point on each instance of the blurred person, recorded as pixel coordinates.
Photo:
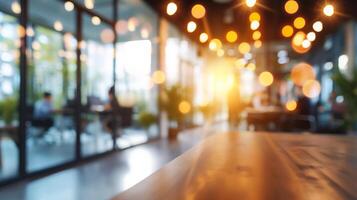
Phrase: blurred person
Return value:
(113, 107)
(43, 111)
(303, 104)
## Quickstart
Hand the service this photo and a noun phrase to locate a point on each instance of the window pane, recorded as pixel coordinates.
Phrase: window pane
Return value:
(102, 7)
(9, 95)
(51, 85)
(97, 79)
(136, 61)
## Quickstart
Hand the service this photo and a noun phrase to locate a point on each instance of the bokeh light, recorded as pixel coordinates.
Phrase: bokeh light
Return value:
(329, 10)
(107, 35)
(311, 36)
(251, 67)
(244, 48)
(203, 37)
(301, 73)
(254, 25)
(231, 36)
(291, 6)
(198, 11)
(158, 77)
(299, 23)
(258, 44)
(16, 7)
(311, 88)
(191, 26)
(68, 6)
(171, 8)
(291, 105)
(287, 31)
(220, 52)
(318, 26)
(215, 44)
(184, 107)
(58, 26)
(256, 35)
(266, 78)
(254, 16)
(250, 3)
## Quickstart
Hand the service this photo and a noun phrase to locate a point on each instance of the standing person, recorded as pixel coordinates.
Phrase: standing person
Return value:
(113, 107)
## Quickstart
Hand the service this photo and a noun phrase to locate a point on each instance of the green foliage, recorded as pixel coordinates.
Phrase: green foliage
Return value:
(146, 119)
(8, 110)
(347, 87)
(170, 99)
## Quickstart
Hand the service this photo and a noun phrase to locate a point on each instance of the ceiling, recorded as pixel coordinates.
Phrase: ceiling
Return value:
(272, 12)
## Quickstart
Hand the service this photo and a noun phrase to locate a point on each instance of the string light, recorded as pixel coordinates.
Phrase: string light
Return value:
(256, 35)
(291, 105)
(287, 31)
(266, 78)
(299, 23)
(232, 36)
(291, 6)
(311, 36)
(215, 44)
(258, 44)
(244, 48)
(254, 17)
(250, 3)
(317, 26)
(96, 20)
(58, 26)
(184, 107)
(191, 26)
(329, 10)
(254, 25)
(171, 8)
(198, 11)
(203, 37)
(68, 6)
(15, 7)
(89, 4)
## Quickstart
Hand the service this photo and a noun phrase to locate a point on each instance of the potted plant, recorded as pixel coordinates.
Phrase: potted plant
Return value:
(170, 99)
(146, 119)
(347, 87)
(8, 110)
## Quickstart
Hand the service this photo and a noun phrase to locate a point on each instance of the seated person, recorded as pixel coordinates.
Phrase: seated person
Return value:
(112, 106)
(43, 112)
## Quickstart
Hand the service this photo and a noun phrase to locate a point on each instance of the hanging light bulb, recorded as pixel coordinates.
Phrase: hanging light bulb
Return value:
(15, 7)
(171, 8)
(89, 4)
(329, 10)
(250, 3)
(203, 37)
(68, 6)
(191, 26)
(317, 26)
(231, 36)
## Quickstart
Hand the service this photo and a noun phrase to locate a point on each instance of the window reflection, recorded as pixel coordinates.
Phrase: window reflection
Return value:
(136, 61)
(9, 95)
(50, 127)
(97, 79)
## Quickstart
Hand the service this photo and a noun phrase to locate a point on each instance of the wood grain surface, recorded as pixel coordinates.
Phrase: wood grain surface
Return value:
(257, 166)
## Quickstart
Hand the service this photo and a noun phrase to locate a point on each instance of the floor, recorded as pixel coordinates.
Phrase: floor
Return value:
(108, 176)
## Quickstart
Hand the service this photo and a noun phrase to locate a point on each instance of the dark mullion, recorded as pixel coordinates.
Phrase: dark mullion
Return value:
(23, 89)
(78, 83)
(115, 18)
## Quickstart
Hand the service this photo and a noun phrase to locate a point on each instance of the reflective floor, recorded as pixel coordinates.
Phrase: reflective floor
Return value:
(108, 176)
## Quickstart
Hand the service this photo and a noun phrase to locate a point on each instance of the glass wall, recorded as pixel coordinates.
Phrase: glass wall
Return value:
(51, 69)
(87, 79)
(9, 94)
(97, 79)
(136, 56)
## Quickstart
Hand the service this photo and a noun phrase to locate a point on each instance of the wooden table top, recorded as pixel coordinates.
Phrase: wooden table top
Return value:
(257, 166)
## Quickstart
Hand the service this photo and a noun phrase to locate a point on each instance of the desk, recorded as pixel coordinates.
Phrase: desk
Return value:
(257, 166)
